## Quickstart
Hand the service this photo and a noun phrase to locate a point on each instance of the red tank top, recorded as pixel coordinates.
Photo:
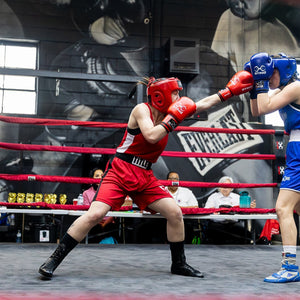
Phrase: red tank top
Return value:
(134, 143)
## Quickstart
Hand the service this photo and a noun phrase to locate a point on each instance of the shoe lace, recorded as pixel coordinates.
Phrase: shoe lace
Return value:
(279, 273)
(58, 254)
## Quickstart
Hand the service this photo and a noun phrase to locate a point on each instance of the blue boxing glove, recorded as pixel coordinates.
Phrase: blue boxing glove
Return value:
(262, 68)
(252, 93)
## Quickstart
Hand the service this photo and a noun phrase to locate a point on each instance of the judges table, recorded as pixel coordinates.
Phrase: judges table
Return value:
(212, 214)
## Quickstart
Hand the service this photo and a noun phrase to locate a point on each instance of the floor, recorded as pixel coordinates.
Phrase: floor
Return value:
(130, 272)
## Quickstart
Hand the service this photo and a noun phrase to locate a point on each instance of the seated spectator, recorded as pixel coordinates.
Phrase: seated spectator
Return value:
(225, 196)
(225, 231)
(153, 231)
(88, 195)
(184, 197)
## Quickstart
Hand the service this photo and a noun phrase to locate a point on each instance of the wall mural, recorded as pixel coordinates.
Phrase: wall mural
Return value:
(128, 38)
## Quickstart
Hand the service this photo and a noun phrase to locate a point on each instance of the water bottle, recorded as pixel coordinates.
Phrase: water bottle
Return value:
(19, 237)
(245, 199)
(80, 200)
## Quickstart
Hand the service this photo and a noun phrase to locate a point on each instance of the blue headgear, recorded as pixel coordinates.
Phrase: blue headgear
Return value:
(287, 67)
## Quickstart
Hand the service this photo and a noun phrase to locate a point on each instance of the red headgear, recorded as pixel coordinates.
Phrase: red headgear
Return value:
(159, 92)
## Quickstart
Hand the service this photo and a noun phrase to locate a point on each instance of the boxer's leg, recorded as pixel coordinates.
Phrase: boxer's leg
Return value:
(175, 233)
(287, 202)
(77, 231)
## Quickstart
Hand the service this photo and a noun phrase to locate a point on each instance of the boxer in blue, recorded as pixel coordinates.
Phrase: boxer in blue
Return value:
(280, 74)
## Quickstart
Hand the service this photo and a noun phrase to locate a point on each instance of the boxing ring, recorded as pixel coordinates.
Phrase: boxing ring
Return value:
(132, 272)
(189, 213)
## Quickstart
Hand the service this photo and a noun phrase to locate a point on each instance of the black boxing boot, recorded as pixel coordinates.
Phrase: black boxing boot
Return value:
(179, 265)
(66, 245)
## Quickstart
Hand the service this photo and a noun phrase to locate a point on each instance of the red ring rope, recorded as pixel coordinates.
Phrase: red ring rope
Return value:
(30, 147)
(185, 210)
(50, 122)
(48, 178)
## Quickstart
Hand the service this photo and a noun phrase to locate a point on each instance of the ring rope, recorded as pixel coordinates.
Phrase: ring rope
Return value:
(185, 210)
(53, 206)
(31, 147)
(85, 180)
(55, 122)
(50, 122)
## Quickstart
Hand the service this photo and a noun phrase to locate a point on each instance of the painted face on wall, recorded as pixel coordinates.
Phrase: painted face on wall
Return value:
(247, 9)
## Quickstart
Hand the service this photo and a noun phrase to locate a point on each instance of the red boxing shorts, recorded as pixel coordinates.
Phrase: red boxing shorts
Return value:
(122, 178)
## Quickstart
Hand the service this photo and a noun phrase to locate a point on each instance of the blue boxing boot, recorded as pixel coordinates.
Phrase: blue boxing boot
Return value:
(287, 273)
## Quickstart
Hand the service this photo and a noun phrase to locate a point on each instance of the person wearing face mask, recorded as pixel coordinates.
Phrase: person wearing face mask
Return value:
(184, 197)
(88, 195)
(279, 73)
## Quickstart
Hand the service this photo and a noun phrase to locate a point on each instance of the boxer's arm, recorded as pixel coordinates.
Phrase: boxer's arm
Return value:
(177, 112)
(252, 93)
(254, 107)
(264, 104)
(267, 103)
(207, 102)
(239, 84)
(140, 118)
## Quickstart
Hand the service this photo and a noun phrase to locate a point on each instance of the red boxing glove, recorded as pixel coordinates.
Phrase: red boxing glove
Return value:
(177, 112)
(240, 83)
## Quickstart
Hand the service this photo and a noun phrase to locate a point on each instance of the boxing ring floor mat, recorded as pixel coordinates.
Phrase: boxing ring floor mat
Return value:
(131, 271)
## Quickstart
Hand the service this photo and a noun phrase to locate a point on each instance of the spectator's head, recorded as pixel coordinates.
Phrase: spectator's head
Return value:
(223, 190)
(96, 173)
(174, 177)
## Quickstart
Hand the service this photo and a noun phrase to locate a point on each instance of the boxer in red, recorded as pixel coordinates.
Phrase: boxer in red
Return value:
(129, 171)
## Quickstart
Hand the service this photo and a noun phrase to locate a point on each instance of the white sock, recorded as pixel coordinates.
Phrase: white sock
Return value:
(289, 249)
